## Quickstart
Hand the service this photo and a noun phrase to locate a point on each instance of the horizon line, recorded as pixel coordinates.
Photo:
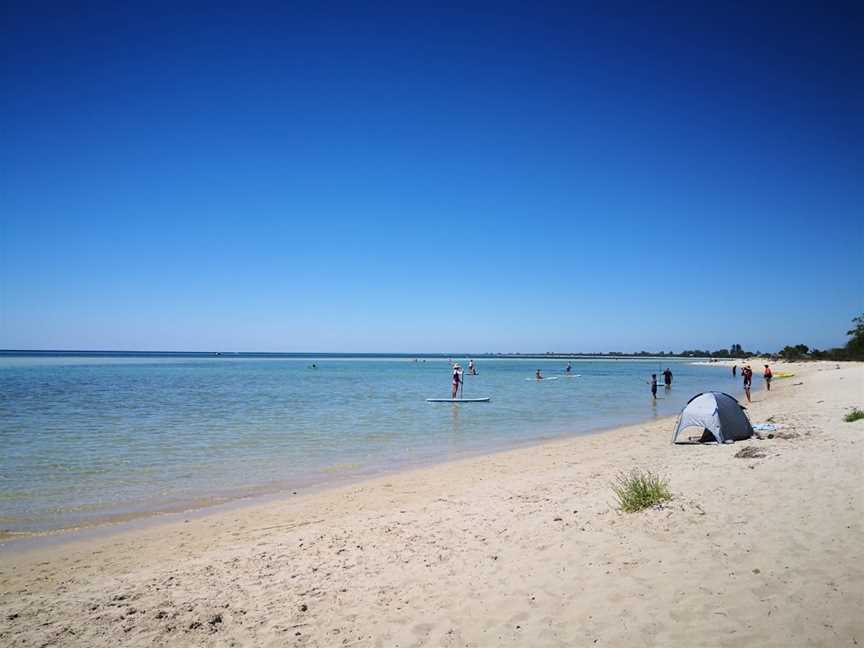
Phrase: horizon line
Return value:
(367, 353)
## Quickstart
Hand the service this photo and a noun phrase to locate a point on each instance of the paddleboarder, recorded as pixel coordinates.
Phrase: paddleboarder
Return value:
(569, 367)
(538, 375)
(472, 368)
(457, 380)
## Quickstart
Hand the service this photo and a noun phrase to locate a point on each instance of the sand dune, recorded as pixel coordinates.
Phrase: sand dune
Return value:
(521, 548)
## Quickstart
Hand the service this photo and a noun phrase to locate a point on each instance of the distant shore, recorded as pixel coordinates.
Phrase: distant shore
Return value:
(522, 547)
(758, 362)
(324, 354)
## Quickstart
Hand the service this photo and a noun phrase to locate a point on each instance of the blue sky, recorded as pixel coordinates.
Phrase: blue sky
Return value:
(281, 177)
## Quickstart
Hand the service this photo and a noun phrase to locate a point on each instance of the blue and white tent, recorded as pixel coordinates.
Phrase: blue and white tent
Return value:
(720, 417)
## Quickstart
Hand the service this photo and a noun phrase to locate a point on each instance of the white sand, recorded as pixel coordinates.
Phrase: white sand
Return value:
(521, 548)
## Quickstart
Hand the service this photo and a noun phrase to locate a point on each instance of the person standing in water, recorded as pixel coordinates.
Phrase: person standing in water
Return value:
(767, 375)
(734, 370)
(457, 380)
(538, 375)
(654, 386)
(667, 377)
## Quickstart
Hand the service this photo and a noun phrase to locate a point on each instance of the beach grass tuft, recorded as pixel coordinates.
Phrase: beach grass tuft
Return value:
(855, 415)
(637, 490)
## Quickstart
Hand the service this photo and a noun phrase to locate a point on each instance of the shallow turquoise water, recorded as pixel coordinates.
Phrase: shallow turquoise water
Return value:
(86, 439)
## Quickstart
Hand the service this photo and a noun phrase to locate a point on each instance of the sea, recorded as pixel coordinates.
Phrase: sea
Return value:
(91, 438)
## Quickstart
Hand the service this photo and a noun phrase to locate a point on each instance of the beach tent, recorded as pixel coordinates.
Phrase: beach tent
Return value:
(719, 415)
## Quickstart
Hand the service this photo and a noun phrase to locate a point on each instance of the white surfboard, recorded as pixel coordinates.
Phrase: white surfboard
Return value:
(458, 400)
(544, 378)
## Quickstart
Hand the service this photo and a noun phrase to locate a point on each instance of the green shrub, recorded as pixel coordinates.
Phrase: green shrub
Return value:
(855, 415)
(639, 490)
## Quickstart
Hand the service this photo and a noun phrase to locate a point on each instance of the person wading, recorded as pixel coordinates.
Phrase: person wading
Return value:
(667, 377)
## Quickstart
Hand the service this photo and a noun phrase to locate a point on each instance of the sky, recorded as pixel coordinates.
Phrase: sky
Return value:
(498, 178)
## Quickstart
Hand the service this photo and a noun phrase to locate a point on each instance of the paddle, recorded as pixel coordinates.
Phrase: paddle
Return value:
(461, 385)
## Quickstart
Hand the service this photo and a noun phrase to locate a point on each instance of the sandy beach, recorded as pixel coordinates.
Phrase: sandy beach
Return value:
(520, 548)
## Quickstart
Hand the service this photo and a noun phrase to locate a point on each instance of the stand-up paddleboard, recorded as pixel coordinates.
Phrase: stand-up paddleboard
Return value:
(458, 400)
(572, 376)
(549, 378)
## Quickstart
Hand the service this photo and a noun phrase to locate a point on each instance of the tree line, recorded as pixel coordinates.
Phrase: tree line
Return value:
(852, 350)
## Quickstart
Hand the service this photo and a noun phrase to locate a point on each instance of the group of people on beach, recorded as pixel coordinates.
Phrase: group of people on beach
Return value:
(747, 375)
(458, 377)
(667, 382)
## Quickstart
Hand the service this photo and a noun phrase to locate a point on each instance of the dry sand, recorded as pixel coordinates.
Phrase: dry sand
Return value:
(521, 548)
